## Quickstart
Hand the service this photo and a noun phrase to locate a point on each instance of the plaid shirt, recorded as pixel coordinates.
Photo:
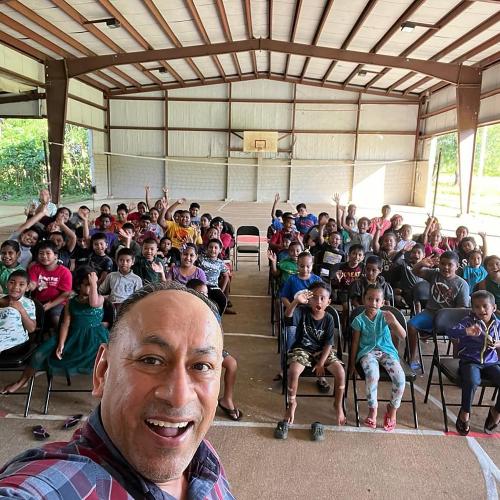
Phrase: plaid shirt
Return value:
(91, 467)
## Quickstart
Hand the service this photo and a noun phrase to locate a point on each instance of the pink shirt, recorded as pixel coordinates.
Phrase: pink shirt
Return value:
(386, 224)
(50, 284)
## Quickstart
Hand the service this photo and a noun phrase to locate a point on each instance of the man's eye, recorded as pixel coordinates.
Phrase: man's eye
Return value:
(202, 367)
(149, 360)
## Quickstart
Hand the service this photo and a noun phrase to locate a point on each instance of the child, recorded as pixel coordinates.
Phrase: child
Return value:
(432, 243)
(460, 233)
(313, 347)
(205, 220)
(10, 254)
(276, 244)
(372, 345)
(328, 253)
(134, 217)
(310, 239)
(447, 290)
(361, 236)
(287, 267)
(74, 349)
(304, 221)
(478, 337)
(371, 277)
(473, 272)
(194, 211)
(186, 270)
(98, 260)
(226, 403)
(383, 223)
(402, 277)
(148, 266)
(105, 227)
(80, 255)
(125, 239)
(182, 232)
(50, 283)
(168, 255)
(224, 237)
(386, 250)
(17, 312)
(105, 211)
(121, 284)
(121, 217)
(405, 235)
(492, 282)
(154, 225)
(467, 245)
(300, 281)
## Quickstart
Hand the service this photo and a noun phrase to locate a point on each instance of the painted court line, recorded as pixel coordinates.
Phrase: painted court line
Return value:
(251, 296)
(224, 205)
(490, 471)
(259, 336)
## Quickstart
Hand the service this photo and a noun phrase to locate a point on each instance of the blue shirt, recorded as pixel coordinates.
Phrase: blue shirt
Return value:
(473, 275)
(295, 284)
(304, 224)
(91, 467)
(374, 334)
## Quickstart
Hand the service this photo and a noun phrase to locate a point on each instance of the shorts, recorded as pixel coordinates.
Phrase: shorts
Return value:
(306, 358)
(423, 321)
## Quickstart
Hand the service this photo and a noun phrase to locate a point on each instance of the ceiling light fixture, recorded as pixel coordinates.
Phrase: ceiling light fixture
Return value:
(364, 72)
(409, 26)
(111, 22)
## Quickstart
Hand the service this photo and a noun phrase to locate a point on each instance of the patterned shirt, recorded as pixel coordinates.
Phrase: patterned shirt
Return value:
(91, 467)
(12, 331)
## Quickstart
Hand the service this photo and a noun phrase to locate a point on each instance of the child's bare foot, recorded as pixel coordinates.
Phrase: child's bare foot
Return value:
(9, 389)
(290, 411)
(341, 418)
(371, 419)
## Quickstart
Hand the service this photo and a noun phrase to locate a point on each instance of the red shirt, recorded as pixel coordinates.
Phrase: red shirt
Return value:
(386, 224)
(50, 284)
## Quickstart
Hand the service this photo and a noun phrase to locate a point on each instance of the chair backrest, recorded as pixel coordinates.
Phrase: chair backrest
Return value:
(447, 318)
(338, 326)
(109, 313)
(248, 231)
(40, 318)
(421, 291)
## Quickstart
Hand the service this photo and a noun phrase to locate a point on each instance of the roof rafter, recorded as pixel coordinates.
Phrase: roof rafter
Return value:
(270, 28)
(202, 32)
(91, 28)
(113, 11)
(357, 25)
(248, 17)
(162, 23)
(221, 11)
(317, 34)
(298, 6)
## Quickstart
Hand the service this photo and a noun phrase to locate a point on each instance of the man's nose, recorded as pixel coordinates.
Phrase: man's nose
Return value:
(176, 388)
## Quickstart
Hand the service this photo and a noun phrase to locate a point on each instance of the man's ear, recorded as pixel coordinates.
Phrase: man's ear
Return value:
(100, 371)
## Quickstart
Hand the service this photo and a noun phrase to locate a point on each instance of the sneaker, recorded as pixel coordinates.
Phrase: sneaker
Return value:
(317, 431)
(281, 431)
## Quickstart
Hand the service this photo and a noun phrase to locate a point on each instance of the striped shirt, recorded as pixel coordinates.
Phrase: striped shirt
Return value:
(91, 467)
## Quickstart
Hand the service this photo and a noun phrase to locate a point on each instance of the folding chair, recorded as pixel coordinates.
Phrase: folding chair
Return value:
(108, 318)
(247, 249)
(449, 367)
(308, 373)
(17, 359)
(384, 376)
(421, 293)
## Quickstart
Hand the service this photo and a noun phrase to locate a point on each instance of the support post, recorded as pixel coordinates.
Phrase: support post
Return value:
(56, 81)
(468, 101)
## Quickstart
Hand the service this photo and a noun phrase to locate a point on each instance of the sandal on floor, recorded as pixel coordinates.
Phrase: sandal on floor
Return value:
(72, 421)
(39, 433)
(233, 414)
(489, 425)
(323, 386)
(462, 426)
(317, 431)
(281, 431)
(389, 425)
(229, 311)
(369, 422)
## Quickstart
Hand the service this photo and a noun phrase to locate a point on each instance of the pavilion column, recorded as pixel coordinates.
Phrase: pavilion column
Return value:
(56, 82)
(468, 100)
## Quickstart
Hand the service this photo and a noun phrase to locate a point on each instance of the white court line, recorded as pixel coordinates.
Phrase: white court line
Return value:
(224, 205)
(451, 416)
(489, 469)
(259, 336)
(251, 296)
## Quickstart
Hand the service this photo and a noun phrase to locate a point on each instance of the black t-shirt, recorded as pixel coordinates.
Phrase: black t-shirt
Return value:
(81, 256)
(311, 335)
(64, 257)
(101, 263)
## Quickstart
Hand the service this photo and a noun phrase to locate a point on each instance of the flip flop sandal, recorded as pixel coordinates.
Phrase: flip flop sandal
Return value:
(323, 386)
(72, 421)
(233, 414)
(389, 424)
(317, 431)
(462, 426)
(39, 433)
(489, 425)
(281, 431)
(369, 422)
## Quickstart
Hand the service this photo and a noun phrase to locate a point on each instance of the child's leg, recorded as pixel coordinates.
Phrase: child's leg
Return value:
(20, 383)
(422, 321)
(395, 371)
(337, 370)
(294, 371)
(369, 363)
(230, 365)
(493, 373)
(470, 374)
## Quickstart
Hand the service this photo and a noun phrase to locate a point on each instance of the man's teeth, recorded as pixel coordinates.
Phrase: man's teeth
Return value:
(162, 423)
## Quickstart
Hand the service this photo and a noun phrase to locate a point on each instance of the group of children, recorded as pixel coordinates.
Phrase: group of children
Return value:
(375, 263)
(70, 265)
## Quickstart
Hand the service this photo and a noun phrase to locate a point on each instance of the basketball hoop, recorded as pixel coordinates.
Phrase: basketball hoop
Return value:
(260, 142)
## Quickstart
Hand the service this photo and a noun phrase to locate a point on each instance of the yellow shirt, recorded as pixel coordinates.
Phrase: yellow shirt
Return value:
(178, 234)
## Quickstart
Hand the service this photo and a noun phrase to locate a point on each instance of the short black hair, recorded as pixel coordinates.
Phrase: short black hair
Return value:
(11, 243)
(374, 259)
(149, 241)
(125, 251)
(450, 256)
(105, 205)
(47, 245)
(105, 216)
(145, 216)
(356, 248)
(278, 213)
(190, 245)
(81, 274)
(300, 206)
(372, 286)
(84, 207)
(350, 218)
(19, 273)
(215, 240)
(60, 209)
(481, 295)
(323, 214)
(386, 206)
(303, 254)
(128, 225)
(195, 282)
(206, 216)
(418, 246)
(97, 237)
(122, 206)
(320, 284)
(194, 205)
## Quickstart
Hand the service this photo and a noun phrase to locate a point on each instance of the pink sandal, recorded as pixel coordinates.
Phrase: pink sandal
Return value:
(369, 422)
(389, 424)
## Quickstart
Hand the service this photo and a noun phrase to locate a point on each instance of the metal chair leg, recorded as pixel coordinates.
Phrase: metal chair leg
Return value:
(483, 389)
(28, 397)
(443, 401)
(495, 393)
(420, 357)
(47, 397)
(355, 395)
(414, 405)
(429, 382)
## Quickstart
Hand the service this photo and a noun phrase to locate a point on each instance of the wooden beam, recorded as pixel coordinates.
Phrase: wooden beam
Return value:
(248, 18)
(270, 30)
(298, 5)
(221, 11)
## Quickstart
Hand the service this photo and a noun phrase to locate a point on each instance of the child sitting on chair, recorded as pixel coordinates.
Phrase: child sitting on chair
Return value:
(478, 337)
(473, 272)
(313, 347)
(372, 345)
(287, 267)
(492, 282)
(371, 277)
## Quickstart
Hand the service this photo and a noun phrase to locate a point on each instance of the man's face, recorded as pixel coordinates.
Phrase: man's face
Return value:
(158, 382)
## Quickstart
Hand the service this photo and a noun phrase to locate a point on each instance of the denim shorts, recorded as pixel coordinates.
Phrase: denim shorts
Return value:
(422, 321)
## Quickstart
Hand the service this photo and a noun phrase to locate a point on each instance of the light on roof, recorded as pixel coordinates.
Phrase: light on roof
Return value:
(113, 23)
(408, 27)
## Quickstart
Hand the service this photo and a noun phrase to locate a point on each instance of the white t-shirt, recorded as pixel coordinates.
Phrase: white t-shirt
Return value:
(12, 331)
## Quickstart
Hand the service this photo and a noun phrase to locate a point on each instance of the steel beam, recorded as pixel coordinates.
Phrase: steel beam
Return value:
(56, 89)
(295, 22)
(468, 101)
(221, 11)
(23, 97)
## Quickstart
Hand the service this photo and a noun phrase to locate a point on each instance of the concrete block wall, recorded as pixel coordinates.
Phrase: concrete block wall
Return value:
(101, 175)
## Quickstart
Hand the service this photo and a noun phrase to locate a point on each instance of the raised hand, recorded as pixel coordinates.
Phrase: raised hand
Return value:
(336, 198)
(408, 246)
(92, 277)
(157, 267)
(276, 197)
(272, 256)
(389, 317)
(147, 189)
(82, 214)
(303, 297)
(473, 330)
(482, 234)
(132, 206)
(181, 201)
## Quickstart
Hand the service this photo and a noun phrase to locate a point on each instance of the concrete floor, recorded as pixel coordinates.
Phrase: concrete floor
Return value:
(351, 462)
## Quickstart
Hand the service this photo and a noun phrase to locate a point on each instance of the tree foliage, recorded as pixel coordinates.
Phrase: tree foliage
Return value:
(22, 159)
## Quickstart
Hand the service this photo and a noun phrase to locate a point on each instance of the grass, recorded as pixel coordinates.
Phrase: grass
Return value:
(23, 200)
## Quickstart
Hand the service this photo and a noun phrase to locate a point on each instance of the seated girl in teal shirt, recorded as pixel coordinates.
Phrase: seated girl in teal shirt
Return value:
(372, 345)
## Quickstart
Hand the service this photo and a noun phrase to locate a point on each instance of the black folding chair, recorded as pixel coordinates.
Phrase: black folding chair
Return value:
(16, 359)
(308, 373)
(250, 250)
(108, 319)
(421, 293)
(449, 367)
(410, 375)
